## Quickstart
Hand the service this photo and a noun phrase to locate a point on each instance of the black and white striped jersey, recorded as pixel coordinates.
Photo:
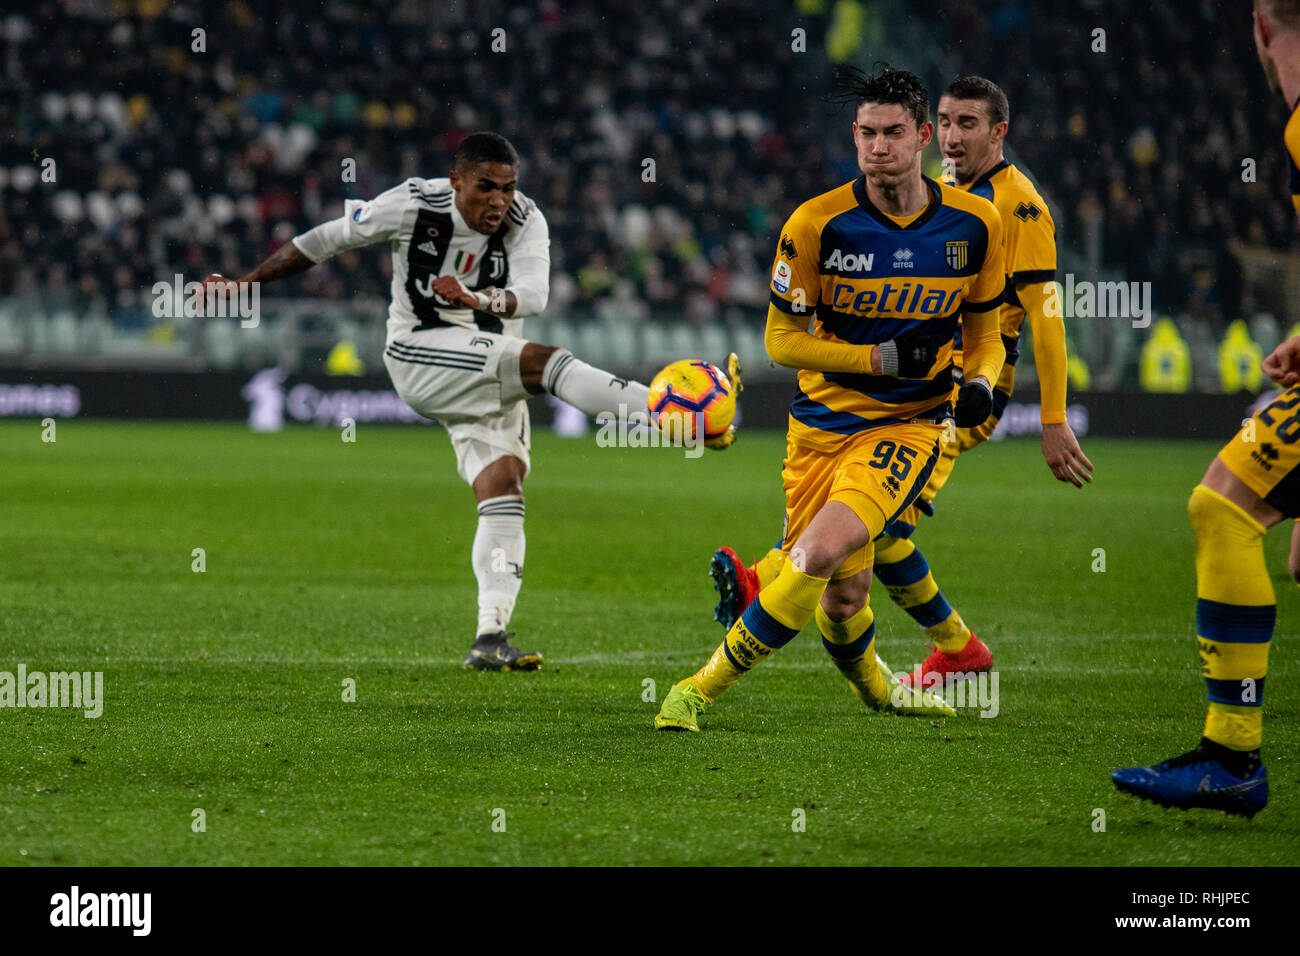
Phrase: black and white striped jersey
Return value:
(429, 238)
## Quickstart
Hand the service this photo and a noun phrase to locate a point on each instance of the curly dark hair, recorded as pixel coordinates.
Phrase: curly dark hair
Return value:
(885, 85)
(484, 147)
(972, 87)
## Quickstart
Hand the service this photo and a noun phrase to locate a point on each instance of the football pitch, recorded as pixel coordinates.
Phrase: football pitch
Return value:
(333, 569)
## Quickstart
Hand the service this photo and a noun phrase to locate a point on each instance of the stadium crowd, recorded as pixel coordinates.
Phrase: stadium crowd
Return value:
(185, 152)
(1148, 148)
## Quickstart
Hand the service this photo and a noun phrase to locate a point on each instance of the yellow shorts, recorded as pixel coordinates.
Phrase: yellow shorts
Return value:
(963, 439)
(876, 473)
(1265, 454)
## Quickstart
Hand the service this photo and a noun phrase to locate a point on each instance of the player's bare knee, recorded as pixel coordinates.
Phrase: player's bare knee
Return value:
(846, 597)
(815, 558)
(500, 486)
(505, 476)
(532, 362)
(840, 607)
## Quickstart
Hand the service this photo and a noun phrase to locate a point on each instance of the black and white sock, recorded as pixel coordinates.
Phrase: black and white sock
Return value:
(590, 389)
(498, 559)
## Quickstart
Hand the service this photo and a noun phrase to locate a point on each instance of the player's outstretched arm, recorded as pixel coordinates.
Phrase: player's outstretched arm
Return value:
(361, 224)
(1283, 364)
(789, 343)
(286, 261)
(1061, 450)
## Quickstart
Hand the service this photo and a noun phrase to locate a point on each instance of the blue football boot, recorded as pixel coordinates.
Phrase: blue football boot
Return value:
(1196, 779)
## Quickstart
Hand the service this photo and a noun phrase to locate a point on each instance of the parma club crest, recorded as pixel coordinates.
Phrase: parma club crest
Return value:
(957, 254)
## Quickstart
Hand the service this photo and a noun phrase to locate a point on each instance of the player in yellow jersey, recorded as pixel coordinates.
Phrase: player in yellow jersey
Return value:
(885, 266)
(973, 119)
(1252, 484)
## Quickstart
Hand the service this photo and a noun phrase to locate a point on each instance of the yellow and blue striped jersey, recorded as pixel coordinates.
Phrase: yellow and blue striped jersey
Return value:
(865, 278)
(1028, 242)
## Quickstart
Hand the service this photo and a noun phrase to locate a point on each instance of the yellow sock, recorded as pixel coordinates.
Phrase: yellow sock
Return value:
(903, 570)
(852, 646)
(769, 566)
(774, 617)
(1235, 614)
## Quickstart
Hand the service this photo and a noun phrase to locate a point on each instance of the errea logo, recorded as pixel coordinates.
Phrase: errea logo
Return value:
(903, 259)
(843, 262)
(1265, 455)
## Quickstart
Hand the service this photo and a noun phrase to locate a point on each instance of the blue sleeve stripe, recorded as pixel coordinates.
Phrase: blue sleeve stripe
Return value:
(969, 306)
(1235, 623)
(789, 308)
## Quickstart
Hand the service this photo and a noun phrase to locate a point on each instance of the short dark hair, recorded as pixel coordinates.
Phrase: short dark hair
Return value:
(886, 85)
(972, 87)
(484, 148)
(1285, 12)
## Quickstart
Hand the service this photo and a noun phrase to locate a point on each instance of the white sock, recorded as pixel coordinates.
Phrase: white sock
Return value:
(590, 389)
(498, 559)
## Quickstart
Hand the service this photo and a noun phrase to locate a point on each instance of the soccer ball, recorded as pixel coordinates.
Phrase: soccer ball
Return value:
(688, 393)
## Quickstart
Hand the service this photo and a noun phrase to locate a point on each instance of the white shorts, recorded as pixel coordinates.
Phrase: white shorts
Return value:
(469, 381)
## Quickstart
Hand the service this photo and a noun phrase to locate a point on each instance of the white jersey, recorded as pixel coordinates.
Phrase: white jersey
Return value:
(430, 238)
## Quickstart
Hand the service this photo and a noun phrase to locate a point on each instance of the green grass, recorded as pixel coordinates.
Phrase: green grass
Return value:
(328, 561)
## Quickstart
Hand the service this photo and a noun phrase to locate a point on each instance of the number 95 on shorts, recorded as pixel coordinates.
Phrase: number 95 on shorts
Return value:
(876, 473)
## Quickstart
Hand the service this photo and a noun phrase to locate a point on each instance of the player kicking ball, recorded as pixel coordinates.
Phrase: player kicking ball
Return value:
(471, 259)
(875, 386)
(1252, 484)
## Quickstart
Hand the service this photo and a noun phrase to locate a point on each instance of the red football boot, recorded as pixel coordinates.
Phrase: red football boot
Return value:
(941, 667)
(736, 585)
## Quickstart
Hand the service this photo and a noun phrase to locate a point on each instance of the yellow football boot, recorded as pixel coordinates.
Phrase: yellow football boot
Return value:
(681, 708)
